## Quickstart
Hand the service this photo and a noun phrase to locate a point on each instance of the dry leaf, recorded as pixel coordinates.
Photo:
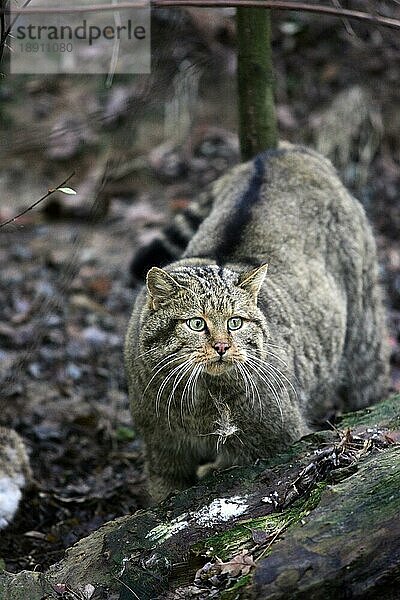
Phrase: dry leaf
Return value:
(238, 565)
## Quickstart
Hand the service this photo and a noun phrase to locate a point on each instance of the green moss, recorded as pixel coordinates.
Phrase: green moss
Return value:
(225, 545)
(385, 413)
(232, 592)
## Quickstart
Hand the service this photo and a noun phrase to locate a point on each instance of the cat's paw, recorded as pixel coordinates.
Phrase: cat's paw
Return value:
(206, 469)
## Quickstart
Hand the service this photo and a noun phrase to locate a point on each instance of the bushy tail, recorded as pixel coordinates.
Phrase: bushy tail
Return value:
(172, 240)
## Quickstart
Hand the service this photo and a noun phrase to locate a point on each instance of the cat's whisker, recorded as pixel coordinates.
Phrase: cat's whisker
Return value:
(168, 377)
(160, 368)
(147, 352)
(279, 373)
(277, 358)
(275, 346)
(269, 353)
(239, 368)
(186, 389)
(245, 377)
(186, 366)
(280, 381)
(264, 376)
(165, 383)
(283, 376)
(272, 390)
(187, 372)
(264, 367)
(251, 384)
(163, 386)
(255, 389)
(165, 359)
(194, 385)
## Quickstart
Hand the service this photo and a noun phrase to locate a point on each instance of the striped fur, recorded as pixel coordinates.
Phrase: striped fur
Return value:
(273, 353)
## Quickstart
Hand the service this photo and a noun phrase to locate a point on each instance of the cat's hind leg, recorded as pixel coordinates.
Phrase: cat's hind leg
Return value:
(366, 357)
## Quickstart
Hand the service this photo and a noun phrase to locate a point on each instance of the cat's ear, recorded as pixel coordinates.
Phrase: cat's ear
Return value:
(251, 281)
(161, 286)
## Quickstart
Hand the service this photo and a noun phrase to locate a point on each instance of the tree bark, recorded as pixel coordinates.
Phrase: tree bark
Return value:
(257, 116)
(349, 547)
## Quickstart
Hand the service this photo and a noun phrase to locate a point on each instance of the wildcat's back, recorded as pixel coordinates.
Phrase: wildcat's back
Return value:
(289, 209)
(320, 316)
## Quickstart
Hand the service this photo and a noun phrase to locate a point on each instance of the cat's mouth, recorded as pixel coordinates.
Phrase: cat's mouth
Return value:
(218, 366)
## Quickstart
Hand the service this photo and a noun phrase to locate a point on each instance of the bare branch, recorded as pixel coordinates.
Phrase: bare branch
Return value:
(6, 32)
(270, 4)
(49, 193)
(287, 5)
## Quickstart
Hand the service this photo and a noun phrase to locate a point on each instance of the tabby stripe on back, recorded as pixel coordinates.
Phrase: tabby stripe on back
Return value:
(241, 212)
(173, 239)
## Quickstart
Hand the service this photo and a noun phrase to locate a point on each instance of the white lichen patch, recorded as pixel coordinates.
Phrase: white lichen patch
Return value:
(164, 531)
(10, 496)
(267, 500)
(220, 510)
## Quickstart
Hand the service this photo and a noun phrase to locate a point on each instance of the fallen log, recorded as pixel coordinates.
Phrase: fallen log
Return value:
(320, 521)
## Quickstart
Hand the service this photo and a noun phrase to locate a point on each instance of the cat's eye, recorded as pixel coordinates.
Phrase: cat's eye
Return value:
(196, 324)
(235, 323)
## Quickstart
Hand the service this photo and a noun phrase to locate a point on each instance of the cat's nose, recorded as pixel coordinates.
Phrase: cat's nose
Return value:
(221, 347)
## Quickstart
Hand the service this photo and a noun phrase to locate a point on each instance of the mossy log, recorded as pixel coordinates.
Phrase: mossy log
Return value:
(320, 521)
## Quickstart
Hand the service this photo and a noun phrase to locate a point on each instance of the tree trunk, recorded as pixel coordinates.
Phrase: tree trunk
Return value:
(257, 117)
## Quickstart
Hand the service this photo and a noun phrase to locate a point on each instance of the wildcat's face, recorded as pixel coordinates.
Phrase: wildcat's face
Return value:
(205, 318)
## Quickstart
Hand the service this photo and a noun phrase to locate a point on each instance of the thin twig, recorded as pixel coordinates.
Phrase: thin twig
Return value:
(6, 32)
(286, 5)
(127, 587)
(270, 4)
(273, 539)
(346, 23)
(49, 193)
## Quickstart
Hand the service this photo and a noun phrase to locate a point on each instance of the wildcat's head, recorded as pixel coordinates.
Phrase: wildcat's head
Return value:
(205, 317)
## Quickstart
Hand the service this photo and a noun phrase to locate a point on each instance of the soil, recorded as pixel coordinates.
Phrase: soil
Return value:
(66, 293)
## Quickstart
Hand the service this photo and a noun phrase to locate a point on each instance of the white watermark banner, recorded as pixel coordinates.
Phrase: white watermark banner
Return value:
(55, 37)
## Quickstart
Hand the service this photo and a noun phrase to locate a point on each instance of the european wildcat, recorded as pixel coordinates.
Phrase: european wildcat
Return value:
(15, 473)
(225, 364)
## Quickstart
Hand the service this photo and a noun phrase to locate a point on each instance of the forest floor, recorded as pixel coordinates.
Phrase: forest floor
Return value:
(65, 294)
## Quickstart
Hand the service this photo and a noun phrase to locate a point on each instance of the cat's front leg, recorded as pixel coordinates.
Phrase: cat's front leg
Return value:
(230, 455)
(170, 467)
